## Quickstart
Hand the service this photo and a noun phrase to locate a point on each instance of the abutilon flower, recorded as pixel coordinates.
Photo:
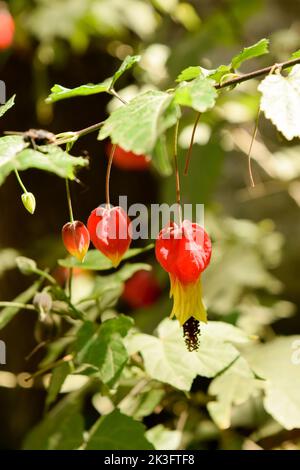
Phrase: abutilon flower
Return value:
(7, 27)
(76, 239)
(184, 251)
(109, 230)
(128, 160)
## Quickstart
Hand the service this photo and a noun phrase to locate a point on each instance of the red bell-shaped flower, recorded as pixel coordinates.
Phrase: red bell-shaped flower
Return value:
(76, 239)
(128, 160)
(109, 230)
(184, 252)
(7, 28)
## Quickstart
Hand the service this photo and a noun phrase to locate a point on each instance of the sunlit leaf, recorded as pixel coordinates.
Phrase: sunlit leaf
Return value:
(233, 387)
(6, 106)
(199, 94)
(168, 360)
(59, 92)
(189, 74)
(278, 363)
(163, 438)
(15, 155)
(256, 50)
(280, 101)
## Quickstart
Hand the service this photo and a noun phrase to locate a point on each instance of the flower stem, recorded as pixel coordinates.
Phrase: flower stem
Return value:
(189, 152)
(69, 200)
(108, 171)
(177, 178)
(20, 181)
(250, 148)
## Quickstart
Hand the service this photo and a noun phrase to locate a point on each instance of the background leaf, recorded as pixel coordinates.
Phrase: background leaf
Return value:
(96, 261)
(117, 432)
(6, 106)
(278, 363)
(103, 347)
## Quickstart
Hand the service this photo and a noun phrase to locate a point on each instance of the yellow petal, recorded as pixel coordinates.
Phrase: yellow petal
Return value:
(187, 301)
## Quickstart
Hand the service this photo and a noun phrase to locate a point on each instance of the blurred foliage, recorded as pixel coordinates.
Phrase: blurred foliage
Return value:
(241, 389)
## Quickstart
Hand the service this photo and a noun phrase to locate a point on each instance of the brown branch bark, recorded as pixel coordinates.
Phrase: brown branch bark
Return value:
(258, 73)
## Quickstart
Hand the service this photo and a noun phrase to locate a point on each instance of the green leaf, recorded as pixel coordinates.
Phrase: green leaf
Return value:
(219, 73)
(163, 438)
(117, 432)
(103, 347)
(256, 50)
(199, 94)
(60, 92)
(6, 106)
(8, 313)
(58, 377)
(103, 284)
(295, 55)
(278, 362)
(15, 155)
(168, 360)
(160, 157)
(233, 387)
(137, 126)
(127, 64)
(51, 158)
(143, 404)
(189, 74)
(280, 101)
(62, 429)
(96, 261)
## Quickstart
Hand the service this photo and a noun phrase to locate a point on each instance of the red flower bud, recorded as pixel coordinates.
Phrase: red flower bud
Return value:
(184, 252)
(76, 239)
(128, 160)
(7, 28)
(110, 232)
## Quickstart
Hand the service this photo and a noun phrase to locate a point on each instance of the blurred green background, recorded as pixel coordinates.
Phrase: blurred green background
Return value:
(254, 278)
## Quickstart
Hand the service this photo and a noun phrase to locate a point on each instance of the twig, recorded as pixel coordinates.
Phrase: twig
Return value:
(257, 73)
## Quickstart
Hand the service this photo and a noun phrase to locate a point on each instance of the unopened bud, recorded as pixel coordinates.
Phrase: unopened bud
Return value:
(29, 203)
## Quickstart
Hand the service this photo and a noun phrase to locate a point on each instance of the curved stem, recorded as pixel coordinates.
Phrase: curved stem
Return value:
(250, 148)
(177, 178)
(69, 200)
(20, 181)
(189, 152)
(108, 171)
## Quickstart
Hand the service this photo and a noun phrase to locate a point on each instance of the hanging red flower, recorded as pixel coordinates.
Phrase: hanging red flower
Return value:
(184, 251)
(76, 239)
(109, 230)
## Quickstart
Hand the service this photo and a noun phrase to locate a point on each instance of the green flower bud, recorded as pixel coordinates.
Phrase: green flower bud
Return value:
(29, 203)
